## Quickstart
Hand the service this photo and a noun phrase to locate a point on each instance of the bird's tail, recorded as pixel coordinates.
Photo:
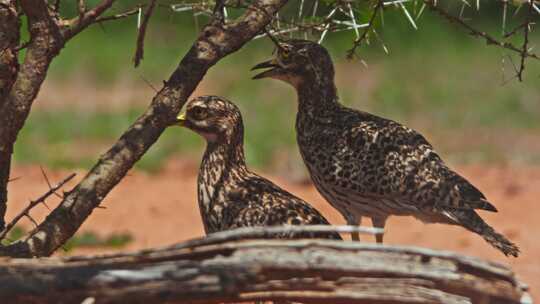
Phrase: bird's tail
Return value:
(473, 222)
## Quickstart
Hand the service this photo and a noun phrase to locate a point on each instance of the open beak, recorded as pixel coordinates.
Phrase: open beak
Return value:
(274, 69)
(181, 120)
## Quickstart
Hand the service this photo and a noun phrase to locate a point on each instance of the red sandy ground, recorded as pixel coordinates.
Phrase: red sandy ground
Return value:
(161, 209)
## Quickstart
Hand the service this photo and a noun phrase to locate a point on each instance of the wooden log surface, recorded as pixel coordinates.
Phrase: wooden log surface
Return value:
(221, 268)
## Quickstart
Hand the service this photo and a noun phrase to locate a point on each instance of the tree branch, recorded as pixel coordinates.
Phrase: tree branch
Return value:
(525, 47)
(378, 7)
(215, 41)
(477, 33)
(307, 271)
(33, 203)
(9, 66)
(45, 43)
(125, 14)
(76, 25)
(139, 52)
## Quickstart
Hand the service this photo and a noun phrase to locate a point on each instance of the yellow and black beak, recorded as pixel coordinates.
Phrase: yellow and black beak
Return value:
(275, 69)
(181, 120)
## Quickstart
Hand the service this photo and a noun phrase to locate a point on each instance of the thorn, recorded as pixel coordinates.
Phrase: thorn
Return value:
(31, 219)
(14, 179)
(46, 206)
(139, 15)
(150, 84)
(45, 177)
(58, 195)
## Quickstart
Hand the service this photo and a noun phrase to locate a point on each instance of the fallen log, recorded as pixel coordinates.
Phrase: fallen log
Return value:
(224, 268)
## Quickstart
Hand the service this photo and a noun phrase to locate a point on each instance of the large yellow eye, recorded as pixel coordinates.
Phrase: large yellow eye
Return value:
(198, 113)
(285, 54)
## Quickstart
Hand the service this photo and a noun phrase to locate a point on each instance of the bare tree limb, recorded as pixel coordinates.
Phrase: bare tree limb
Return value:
(15, 103)
(47, 37)
(379, 6)
(477, 33)
(139, 51)
(9, 66)
(525, 47)
(307, 271)
(76, 25)
(33, 203)
(215, 41)
(122, 15)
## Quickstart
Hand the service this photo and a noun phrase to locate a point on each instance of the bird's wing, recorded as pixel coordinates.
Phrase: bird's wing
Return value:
(270, 205)
(405, 166)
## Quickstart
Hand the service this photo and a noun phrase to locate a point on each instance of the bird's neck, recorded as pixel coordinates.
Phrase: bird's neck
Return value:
(317, 97)
(222, 167)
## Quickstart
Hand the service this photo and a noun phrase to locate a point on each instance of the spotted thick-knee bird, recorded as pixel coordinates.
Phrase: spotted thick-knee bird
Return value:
(368, 166)
(229, 194)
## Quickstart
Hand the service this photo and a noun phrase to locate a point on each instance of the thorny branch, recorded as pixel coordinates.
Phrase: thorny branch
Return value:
(77, 24)
(477, 33)
(26, 211)
(379, 6)
(526, 30)
(125, 14)
(215, 41)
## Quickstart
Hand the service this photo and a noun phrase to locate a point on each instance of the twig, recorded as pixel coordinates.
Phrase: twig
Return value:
(357, 42)
(515, 30)
(149, 84)
(13, 179)
(25, 211)
(117, 16)
(474, 32)
(48, 184)
(22, 46)
(79, 23)
(524, 49)
(274, 39)
(220, 11)
(139, 52)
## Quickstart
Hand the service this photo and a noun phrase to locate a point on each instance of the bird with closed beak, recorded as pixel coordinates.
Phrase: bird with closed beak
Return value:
(369, 166)
(229, 194)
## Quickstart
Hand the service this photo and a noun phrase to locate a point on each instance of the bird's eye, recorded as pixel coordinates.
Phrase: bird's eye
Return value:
(199, 113)
(285, 54)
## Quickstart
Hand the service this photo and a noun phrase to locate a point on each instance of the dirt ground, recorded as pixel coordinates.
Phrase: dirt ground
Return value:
(161, 209)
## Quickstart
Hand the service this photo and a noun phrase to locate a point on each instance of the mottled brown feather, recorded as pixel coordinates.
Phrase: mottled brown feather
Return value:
(229, 194)
(365, 165)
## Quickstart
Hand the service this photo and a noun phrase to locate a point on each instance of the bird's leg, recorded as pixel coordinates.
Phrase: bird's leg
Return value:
(379, 222)
(355, 236)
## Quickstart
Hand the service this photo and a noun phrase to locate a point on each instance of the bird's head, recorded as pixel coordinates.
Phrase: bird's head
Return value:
(298, 61)
(213, 117)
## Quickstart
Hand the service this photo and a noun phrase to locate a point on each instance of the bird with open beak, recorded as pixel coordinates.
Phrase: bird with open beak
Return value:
(369, 166)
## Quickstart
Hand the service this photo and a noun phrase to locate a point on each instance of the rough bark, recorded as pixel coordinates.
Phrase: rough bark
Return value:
(19, 85)
(215, 270)
(9, 65)
(215, 41)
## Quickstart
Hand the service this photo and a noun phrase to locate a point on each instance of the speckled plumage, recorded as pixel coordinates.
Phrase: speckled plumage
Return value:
(230, 196)
(368, 166)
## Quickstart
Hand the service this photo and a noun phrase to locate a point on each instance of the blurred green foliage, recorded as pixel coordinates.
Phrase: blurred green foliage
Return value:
(437, 79)
(91, 239)
(16, 233)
